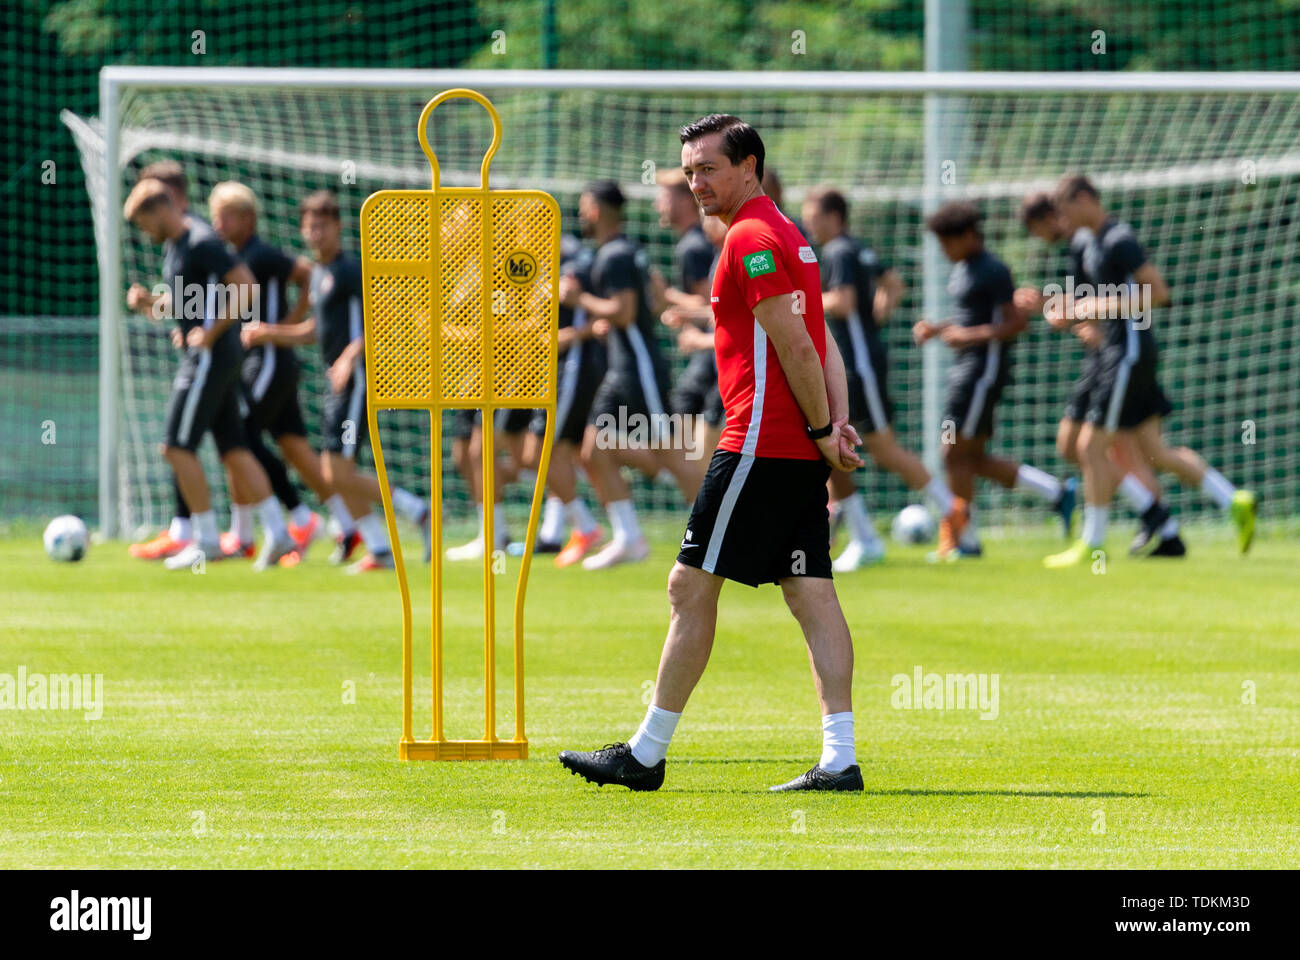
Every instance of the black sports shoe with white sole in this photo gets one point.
(1148, 537)
(850, 778)
(614, 764)
(1170, 547)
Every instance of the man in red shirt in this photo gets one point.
(760, 516)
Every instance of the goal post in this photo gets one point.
(1205, 165)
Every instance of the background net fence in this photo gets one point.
(1208, 181)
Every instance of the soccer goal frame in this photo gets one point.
(940, 137)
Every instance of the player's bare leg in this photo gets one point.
(864, 547)
(1099, 483)
(299, 454)
(627, 544)
(959, 457)
(816, 607)
(253, 482)
(473, 550)
(639, 763)
(342, 475)
(562, 484)
(1192, 471)
(238, 540)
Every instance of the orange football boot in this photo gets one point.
(578, 546)
(159, 548)
(231, 548)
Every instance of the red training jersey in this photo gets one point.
(764, 255)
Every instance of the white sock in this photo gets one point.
(1094, 525)
(552, 521)
(341, 514)
(1043, 484)
(408, 504)
(580, 517)
(622, 516)
(939, 495)
(241, 522)
(1137, 495)
(970, 537)
(837, 742)
(481, 528)
(855, 512)
(650, 742)
(180, 529)
(300, 515)
(373, 533)
(205, 528)
(1215, 486)
(272, 518)
(1170, 529)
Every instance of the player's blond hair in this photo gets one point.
(231, 193)
(144, 196)
(674, 178)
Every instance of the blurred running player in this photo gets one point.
(1126, 396)
(693, 322)
(179, 532)
(270, 373)
(685, 305)
(1136, 481)
(980, 334)
(336, 321)
(205, 391)
(857, 298)
(581, 369)
(636, 381)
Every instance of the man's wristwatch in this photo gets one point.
(818, 434)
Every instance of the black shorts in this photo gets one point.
(512, 421)
(463, 423)
(344, 425)
(273, 404)
(973, 392)
(760, 520)
(691, 392)
(869, 408)
(1076, 407)
(620, 396)
(206, 396)
(578, 383)
(517, 420)
(1126, 392)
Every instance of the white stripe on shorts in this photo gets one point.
(862, 364)
(1131, 350)
(746, 453)
(192, 398)
(981, 391)
(645, 371)
(354, 412)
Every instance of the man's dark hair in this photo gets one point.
(830, 200)
(322, 202)
(1037, 206)
(739, 139)
(955, 218)
(169, 172)
(1073, 184)
(607, 194)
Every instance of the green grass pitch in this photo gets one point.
(1123, 736)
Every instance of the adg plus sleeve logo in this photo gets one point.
(757, 264)
(521, 267)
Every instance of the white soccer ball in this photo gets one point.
(914, 525)
(66, 539)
